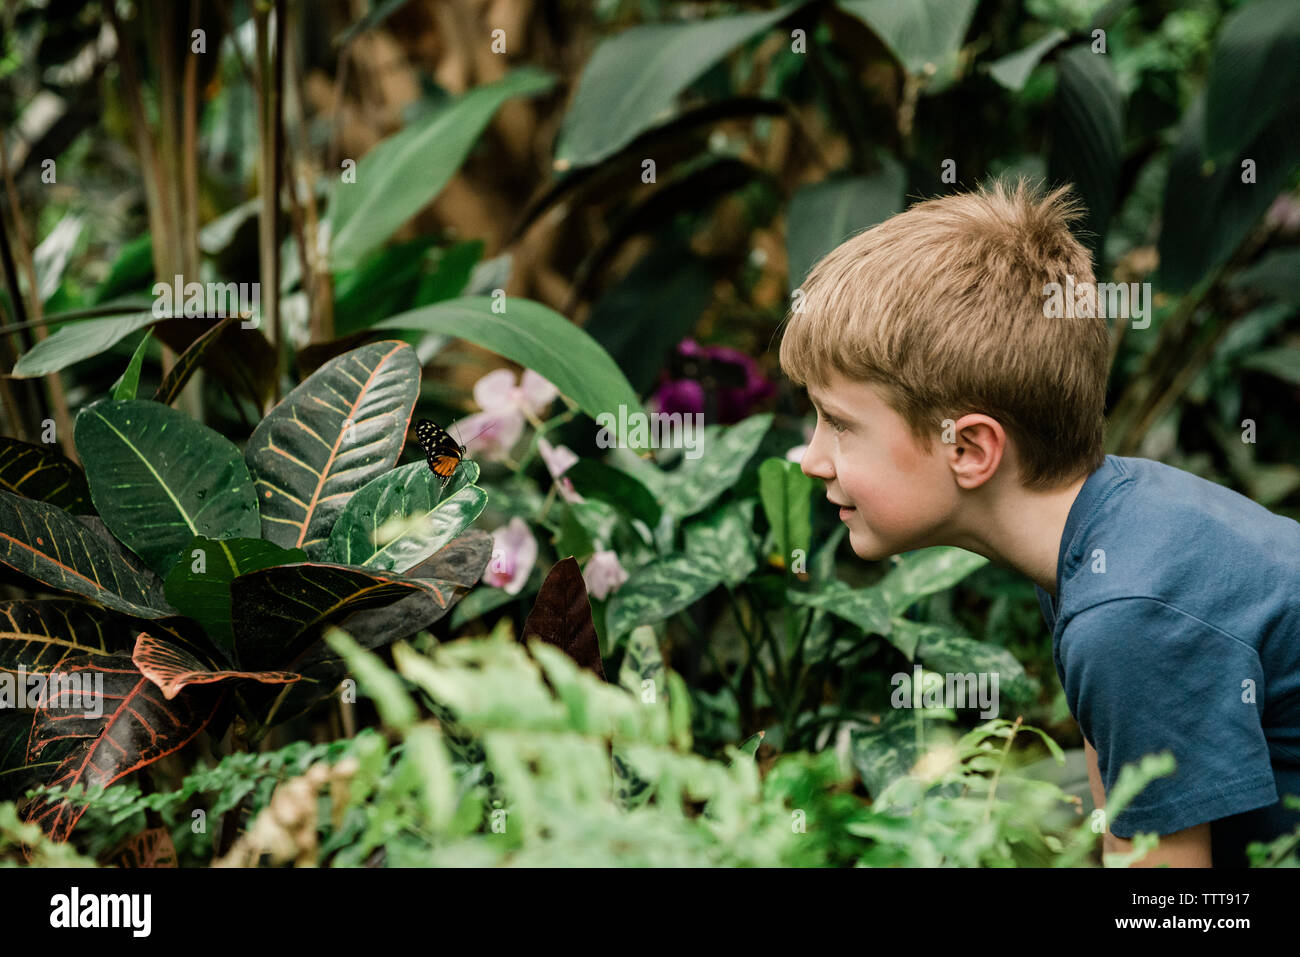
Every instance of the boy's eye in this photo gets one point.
(833, 423)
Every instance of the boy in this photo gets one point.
(954, 409)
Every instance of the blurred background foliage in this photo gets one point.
(663, 175)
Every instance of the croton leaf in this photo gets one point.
(278, 613)
(41, 472)
(199, 584)
(158, 478)
(37, 634)
(561, 616)
(136, 725)
(402, 517)
(49, 545)
(172, 669)
(342, 427)
(17, 775)
(189, 361)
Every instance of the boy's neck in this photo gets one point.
(1020, 529)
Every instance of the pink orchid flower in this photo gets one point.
(514, 552)
(558, 460)
(603, 574)
(506, 403)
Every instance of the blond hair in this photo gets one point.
(942, 308)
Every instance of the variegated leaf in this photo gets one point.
(342, 427)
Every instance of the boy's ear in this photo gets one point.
(980, 442)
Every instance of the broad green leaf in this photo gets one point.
(278, 613)
(697, 482)
(947, 651)
(924, 572)
(864, 607)
(78, 340)
(342, 427)
(158, 478)
(823, 215)
(1208, 210)
(199, 584)
(920, 33)
(724, 539)
(537, 338)
(189, 361)
(786, 494)
(888, 751)
(632, 80)
(659, 590)
(1013, 69)
(402, 173)
(1254, 75)
(41, 472)
(129, 383)
(593, 479)
(1087, 137)
(401, 518)
(49, 545)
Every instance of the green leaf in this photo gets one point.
(158, 478)
(402, 173)
(864, 607)
(945, 650)
(79, 340)
(632, 80)
(401, 518)
(888, 751)
(1013, 69)
(49, 545)
(823, 215)
(278, 613)
(204, 594)
(1087, 137)
(785, 492)
(1254, 75)
(724, 539)
(537, 338)
(593, 479)
(42, 472)
(658, 590)
(188, 363)
(919, 33)
(344, 426)
(126, 386)
(381, 685)
(924, 572)
(1208, 211)
(1283, 362)
(696, 483)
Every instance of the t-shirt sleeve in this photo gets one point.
(1142, 677)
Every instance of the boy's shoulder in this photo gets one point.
(1142, 532)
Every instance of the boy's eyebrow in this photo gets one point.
(828, 408)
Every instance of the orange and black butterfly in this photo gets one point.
(443, 452)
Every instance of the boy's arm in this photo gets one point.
(1186, 848)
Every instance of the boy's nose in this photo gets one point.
(815, 462)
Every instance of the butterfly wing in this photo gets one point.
(442, 452)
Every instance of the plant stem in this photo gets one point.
(993, 789)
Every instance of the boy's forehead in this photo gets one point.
(839, 395)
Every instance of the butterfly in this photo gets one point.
(443, 452)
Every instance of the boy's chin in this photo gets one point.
(869, 548)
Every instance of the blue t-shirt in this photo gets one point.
(1177, 626)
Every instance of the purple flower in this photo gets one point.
(558, 460)
(734, 402)
(506, 401)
